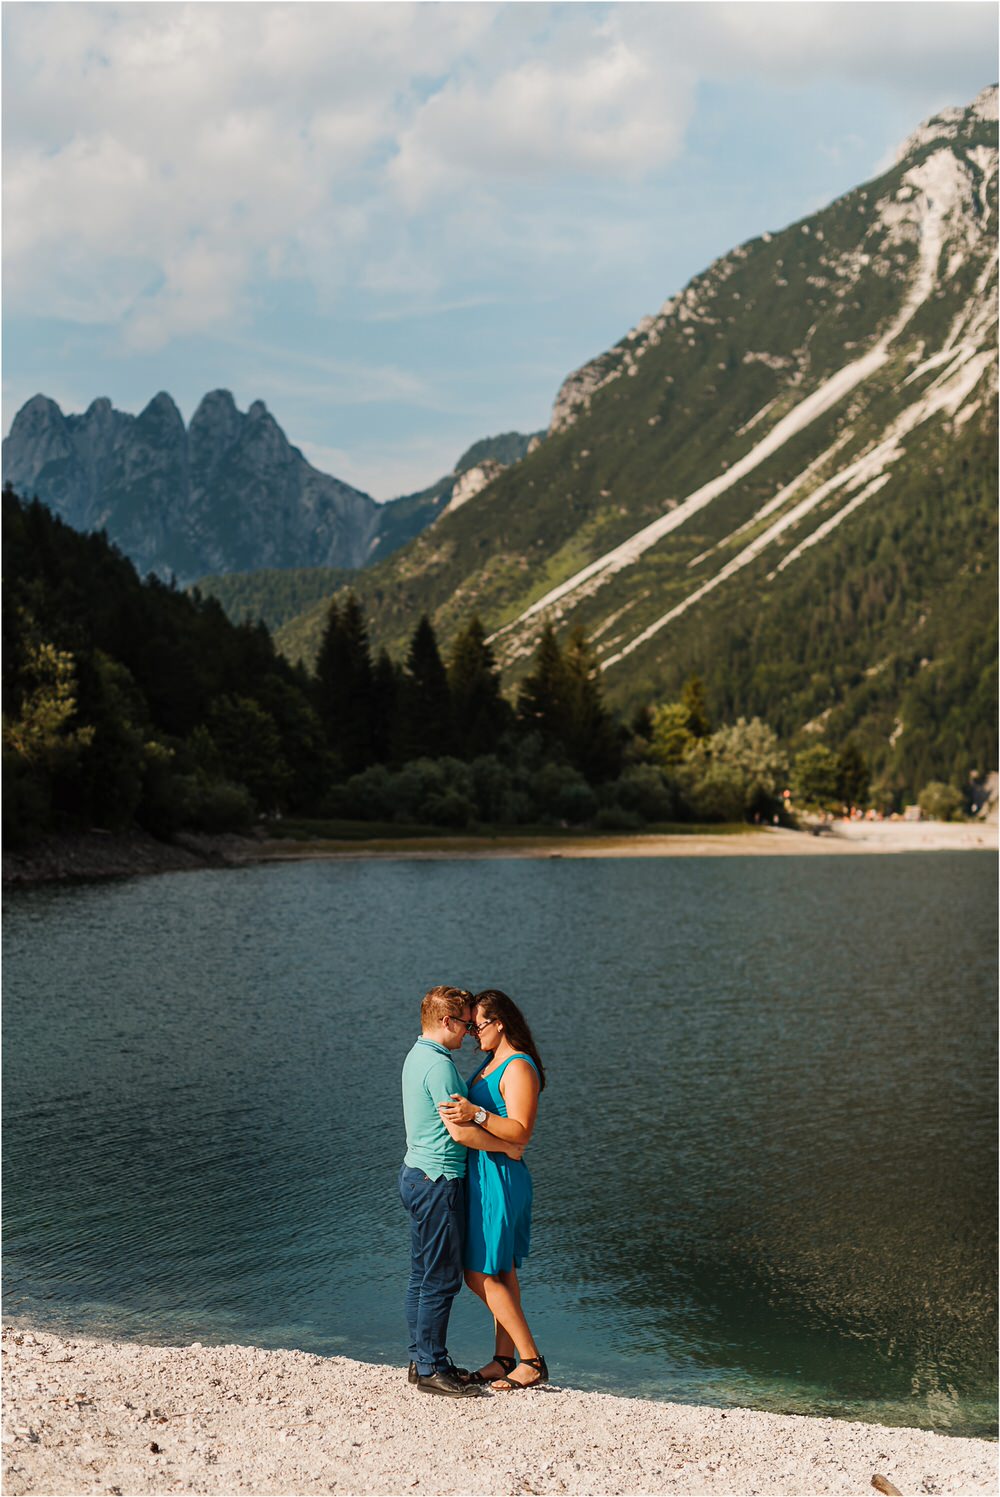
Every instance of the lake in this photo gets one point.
(765, 1163)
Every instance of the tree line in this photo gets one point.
(129, 702)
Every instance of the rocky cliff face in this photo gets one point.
(228, 493)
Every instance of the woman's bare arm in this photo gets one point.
(478, 1138)
(519, 1089)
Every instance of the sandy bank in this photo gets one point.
(842, 838)
(96, 855)
(92, 1416)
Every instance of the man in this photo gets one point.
(432, 1188)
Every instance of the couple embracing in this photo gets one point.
(467, 1188)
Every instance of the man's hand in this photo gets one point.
(514, 1151)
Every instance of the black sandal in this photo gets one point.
(508, 1385)
(507, 1363)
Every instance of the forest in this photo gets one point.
(129, 702)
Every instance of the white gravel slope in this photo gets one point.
(108, 1417)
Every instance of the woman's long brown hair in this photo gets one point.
(497, 1005)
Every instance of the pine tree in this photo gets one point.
(699, 724)
(385, 706)
(344, 685)
(479, 712)
(591, 741)
(542, 700)
(424, 718)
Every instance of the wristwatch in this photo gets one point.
(480, 1116)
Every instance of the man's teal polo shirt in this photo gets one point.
(430, 1077)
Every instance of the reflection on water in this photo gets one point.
(765, 1162)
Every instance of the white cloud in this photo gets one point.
(165, 164)
(612, 112)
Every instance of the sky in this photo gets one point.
(402, 225)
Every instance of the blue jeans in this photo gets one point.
(437, 1239)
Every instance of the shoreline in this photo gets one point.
(100, 855)
(83, 1415)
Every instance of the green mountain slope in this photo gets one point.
(274, 596)
(785, 479)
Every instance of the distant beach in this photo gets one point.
(106, 1417)
(837, 838)
(123, 855)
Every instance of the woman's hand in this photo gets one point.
(458, 1110)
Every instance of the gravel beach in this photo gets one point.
(119, 1418)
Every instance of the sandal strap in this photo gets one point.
(536, 1362)
(507, 1363)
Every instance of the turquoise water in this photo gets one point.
(764, 1166)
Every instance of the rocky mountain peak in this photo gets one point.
(227, 493)
(35, 412)
(951, 123)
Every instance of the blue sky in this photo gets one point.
(401, 225)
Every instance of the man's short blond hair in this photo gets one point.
(443, 1003)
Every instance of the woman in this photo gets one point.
(503, 1099)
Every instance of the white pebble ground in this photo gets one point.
(118, 1418)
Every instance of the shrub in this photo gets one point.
(368, 796)
(717, 793)
(643, 791)
(561, 792)
(214, 805)
(752, 754)
(616, 818)
(492, 784)
(940, 802)
(516, 808)
(816, 778)
(449, 809)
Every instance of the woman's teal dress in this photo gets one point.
(498, 1226)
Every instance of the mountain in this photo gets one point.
(227, 493)
(784, 480)
(406, 517)
(277, 595)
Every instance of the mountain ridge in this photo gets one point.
(229, 493)
(809, 386)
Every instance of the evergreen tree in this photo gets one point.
(249, 745)
(542, 698)
(814, 778)
(561, 699)
(344, 685)
(693, 701)
(423, 722)
(303, 741)
(591, 740)
(852, 775)
(479, 712)
(385, 706)
(671, 737)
